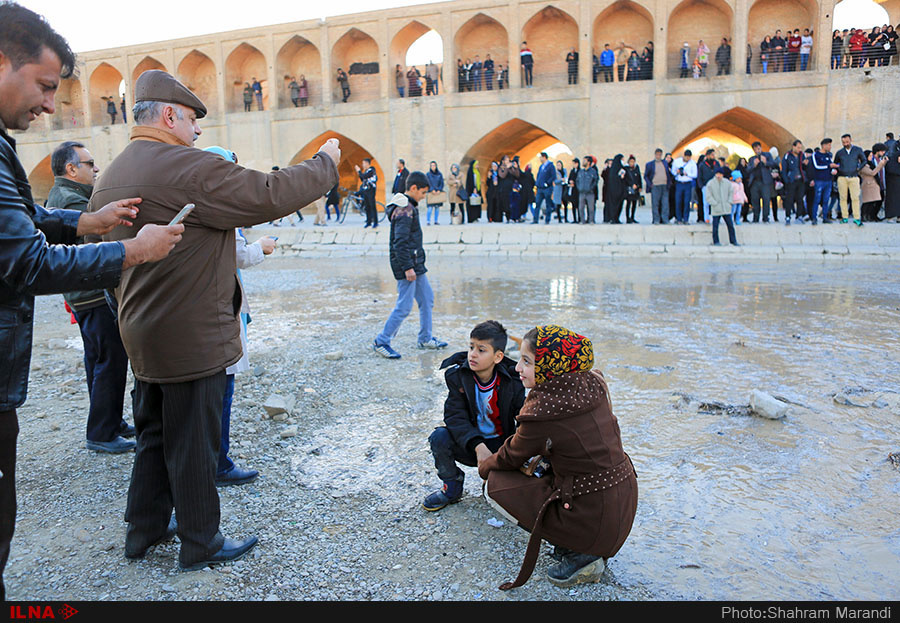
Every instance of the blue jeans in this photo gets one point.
(544, 195)
(715, 227)
(437, 208)
(407, 291)
(683, 201)
(400, 91)
(226, 464)
(337, 211)
(736, 213)
(804, 59)
(823, 194)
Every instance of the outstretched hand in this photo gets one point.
(332, 148)
(108, 217)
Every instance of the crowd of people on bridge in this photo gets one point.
(854, 47)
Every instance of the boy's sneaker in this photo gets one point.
(843, 220)
(450, 493)
(433, 344)
(385, 351)
(858, 223)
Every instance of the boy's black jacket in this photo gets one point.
(460, 414)
(406, 250)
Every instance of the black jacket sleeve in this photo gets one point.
(401, 243)
(456, 413)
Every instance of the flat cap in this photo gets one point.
(158, 86)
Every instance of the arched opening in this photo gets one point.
(69, 105)
(41, 180)
(516, 138)
(480, 37)
(105, 87)
(866, 16)
(146, 64)
(416, 46)
(352, 154)
(551, 34)
(693, 21)
(198, 73)
(734, 131)
(767, 17)
(244, 66)
(356, 53)
(299, 60)
(627, 25)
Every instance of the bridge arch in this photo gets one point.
(69, 103)
(551, 33)
(353, 52)
(737, 128)
(623, 21)
(352, 154)
(515, 137)
(105, 82)
(695, 20)
(41, 180)
(479, 36)
(400, 45)
(243, 64)
(198, 73)
(299, 57)
(146, 64)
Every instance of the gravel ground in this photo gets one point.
(337, 506)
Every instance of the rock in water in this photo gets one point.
(764, 405)
(843, 399)
(276, 404)
(335, 356)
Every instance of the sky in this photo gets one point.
(95, 24)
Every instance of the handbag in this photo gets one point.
(462, 194)
(475, 199)
(435, 197)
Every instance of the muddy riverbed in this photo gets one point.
(731, 506)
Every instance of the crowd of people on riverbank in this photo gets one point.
(806, 184)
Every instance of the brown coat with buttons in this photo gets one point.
(868, 177)
(569, 420)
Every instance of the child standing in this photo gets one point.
(483, 400)
(408, 265)
(739, 197)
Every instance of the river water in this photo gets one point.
(731, 506)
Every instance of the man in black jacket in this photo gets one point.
(368, 178)
(105, 361)
(706, 170)
(408, 265)
(400, 178)
(33, 58)
(484, 397)
(762, 184)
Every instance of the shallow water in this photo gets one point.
(731, 507)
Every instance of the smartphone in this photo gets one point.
(182, 214)
(274, 237)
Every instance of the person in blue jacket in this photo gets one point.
(544, 183)
(435, 197)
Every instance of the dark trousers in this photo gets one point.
(178, 435)
(621, 69)
(793, 199)
(9, 431)
(528, 74)
(728, 223)
(760, 196)
(683, 201)
(106, 368)
(369, 201)
(246, 106)
(447, 453)
(607, 73)
(225, 464)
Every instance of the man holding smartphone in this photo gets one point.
(36, 256)
(180, 320)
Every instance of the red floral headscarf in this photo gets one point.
(559, 351)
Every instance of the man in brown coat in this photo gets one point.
(179, 321)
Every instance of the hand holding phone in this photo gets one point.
(182, 214)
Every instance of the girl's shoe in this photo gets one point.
(575, 569)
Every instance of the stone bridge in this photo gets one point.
(630, 116)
